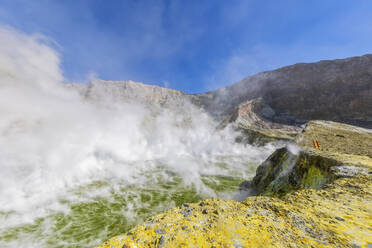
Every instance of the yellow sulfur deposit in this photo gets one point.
(338, 216)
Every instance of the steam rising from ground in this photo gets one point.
(52, 140)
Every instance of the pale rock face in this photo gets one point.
(255, 115)
(129, 91)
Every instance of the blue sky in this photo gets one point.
(190, 45)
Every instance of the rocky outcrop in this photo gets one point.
(284, 172)
(324, 200)
(252, 119)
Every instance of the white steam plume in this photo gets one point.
(52, 140)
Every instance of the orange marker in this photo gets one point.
(316, 144)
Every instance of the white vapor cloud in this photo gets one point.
(26, 59)
(52, 139)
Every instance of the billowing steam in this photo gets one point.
(52, 140)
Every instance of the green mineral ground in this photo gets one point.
(90, 220)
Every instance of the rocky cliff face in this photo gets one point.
(129, 91)
(253, 119)
(338, 90)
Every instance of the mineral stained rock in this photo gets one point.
(284, 171)
(323, 198)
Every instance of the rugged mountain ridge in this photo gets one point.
(129, 91)
(336, 90)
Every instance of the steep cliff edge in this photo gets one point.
(324, 200)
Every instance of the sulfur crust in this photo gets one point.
(339, 216)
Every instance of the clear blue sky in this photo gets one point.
(189, 45)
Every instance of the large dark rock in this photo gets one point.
(284, 171)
